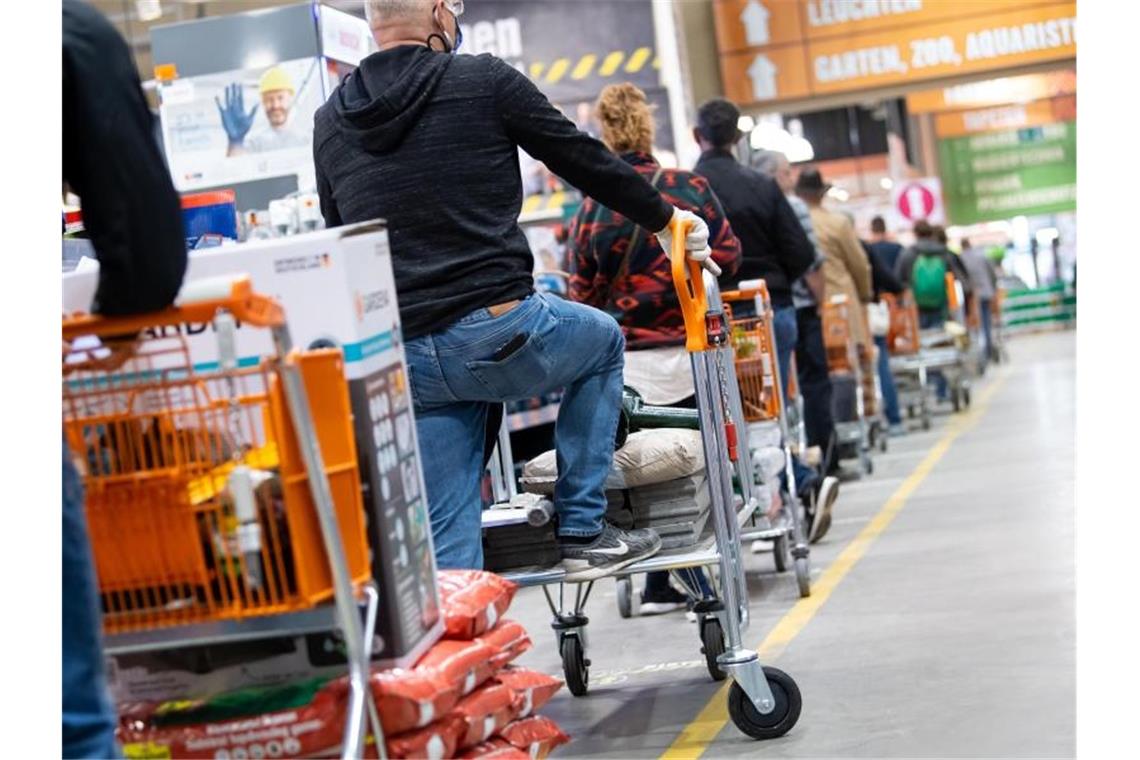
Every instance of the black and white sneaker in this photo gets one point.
(611, 551)
(824, 501)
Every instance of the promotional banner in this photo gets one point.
(236, 126)
(1034, 114)
(1019, 172)
(774, 50)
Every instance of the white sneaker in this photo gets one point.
(824, 501)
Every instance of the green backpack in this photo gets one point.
(928, 280)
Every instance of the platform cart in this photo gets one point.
(949, 352)
(192, 542)
(853, 434)
(753, 340)
(763, 702)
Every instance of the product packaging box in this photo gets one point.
(337, 289)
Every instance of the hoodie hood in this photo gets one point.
(928, 246)
(379, 102)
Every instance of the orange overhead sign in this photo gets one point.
(994, 92)
(852, 45)
(1005, 117)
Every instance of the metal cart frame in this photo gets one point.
(198, 303)
(763, 702)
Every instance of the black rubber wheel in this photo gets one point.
(966, 397)
(926, 420)
(575, 666)
(910, 411)
(776, 723)
(868, 464)
(781, 552)
(803, 577)
(712, 646)
(956, 399)
(625, 597)
(883, 442)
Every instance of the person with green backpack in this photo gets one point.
(922, 269)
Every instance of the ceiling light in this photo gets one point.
(886, 183)
(745, 123)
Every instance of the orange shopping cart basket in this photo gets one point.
(198, 494)
(838, 342)
(755, 354)
(903, 334)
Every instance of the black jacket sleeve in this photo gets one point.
(112, 162)
(542, 131)
(324, 194)
(882, 278)
(797, 253)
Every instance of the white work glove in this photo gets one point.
(696, 242)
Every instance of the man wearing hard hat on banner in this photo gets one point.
(277, 93)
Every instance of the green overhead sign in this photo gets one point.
(1020, 172)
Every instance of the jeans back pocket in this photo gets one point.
(520, 375)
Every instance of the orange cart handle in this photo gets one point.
(748, 290)
(198, 302)
(690, 290)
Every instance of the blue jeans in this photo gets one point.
(787, 335)
(887, 381)
(454, 378)
(928, 320)
(88, 718)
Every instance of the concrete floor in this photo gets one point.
(953, 636)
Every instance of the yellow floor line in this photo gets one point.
(696, 737)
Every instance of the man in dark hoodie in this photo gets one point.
(429, 142)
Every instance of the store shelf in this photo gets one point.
(532, 417)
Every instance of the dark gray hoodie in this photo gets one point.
(429, 142)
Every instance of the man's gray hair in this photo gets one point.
(767, 161)
(379, 11)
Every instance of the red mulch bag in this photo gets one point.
(434, 742)
(495, 749)
(410, 699)
(312, 724)
(510, 639)
(472, 601)
(464, 664)
(537, 735)
(484, 712)
(534, 689)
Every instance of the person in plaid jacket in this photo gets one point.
(616, 267)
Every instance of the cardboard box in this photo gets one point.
(337, 289)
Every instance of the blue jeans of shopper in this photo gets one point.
(787, 334)
(887, 381)
(88, 718)
(928, 320)
(454, 378)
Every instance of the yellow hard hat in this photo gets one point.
(275, 79)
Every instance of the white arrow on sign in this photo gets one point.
(755, 20)
(763, 75)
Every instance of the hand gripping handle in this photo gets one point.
(690, 290)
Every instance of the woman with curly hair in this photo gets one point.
(618, 268)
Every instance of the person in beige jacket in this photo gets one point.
(846, 268)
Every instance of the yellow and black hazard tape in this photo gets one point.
(612, 64)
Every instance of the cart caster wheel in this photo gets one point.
(625, 597)
(956, 400)
(776, 723)
(868, 466)
(883, 443)
(712, 646)
(575, 666)
(803, 577)
(781, 552)
(910, 412)
(966, 397)
(926, 422)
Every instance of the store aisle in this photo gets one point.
(952, 635)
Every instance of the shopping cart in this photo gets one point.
(763, 702)
(907, 362)
(223, 501)
(753, 340)
(946, 349)
(851, 403)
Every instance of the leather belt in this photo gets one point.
(500, 309)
